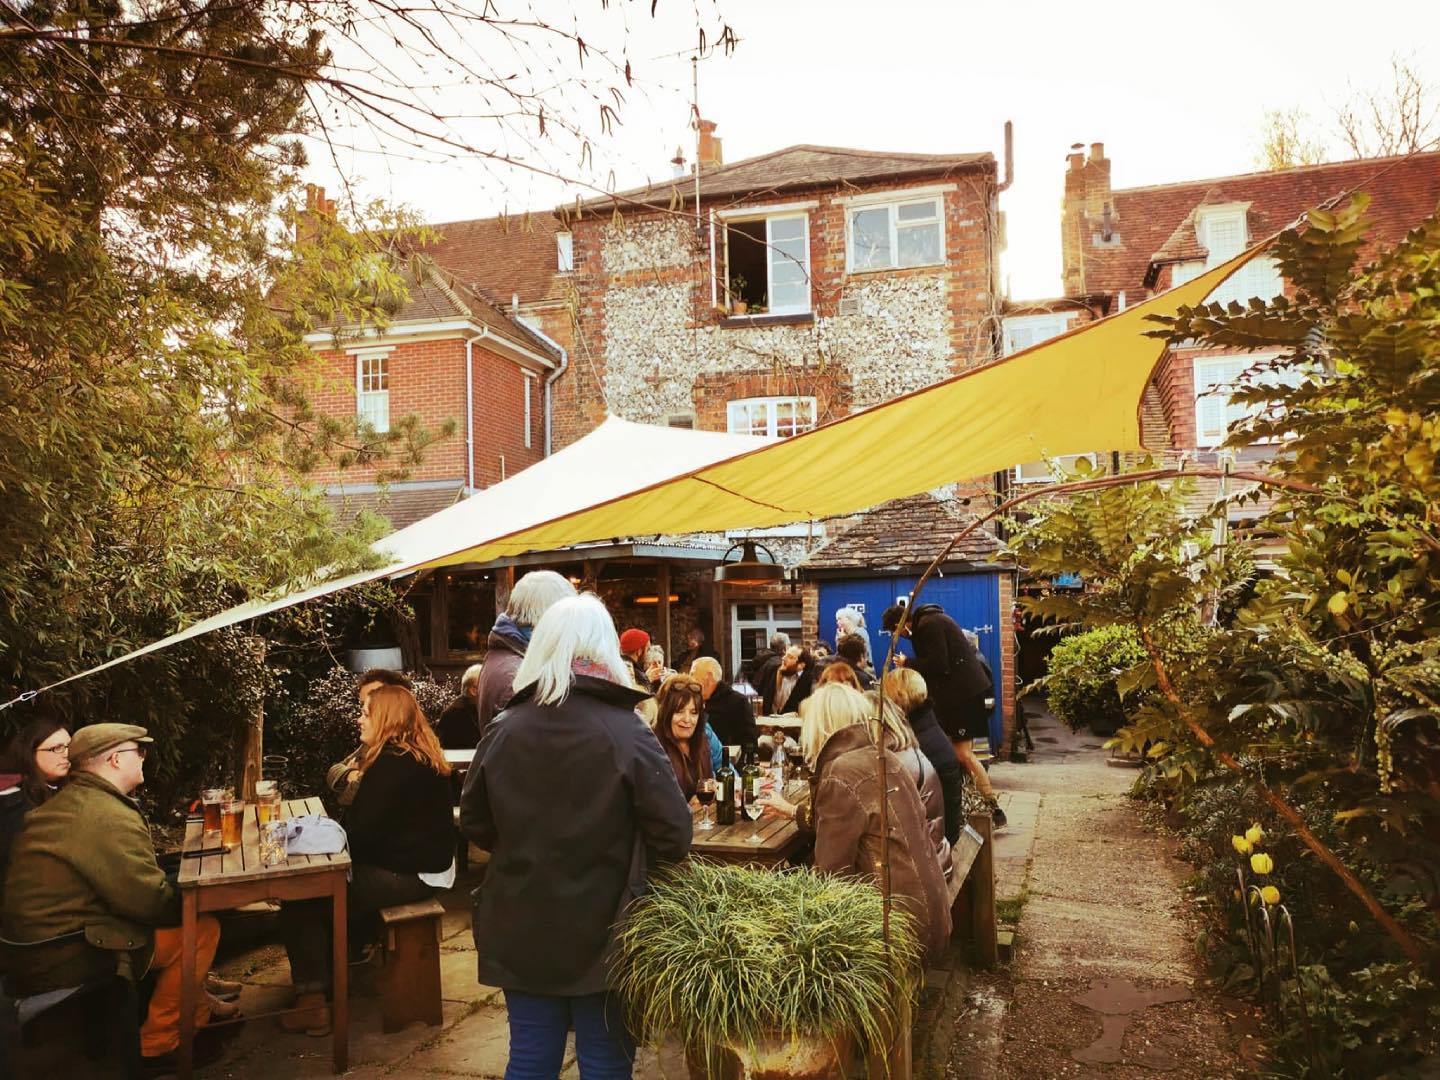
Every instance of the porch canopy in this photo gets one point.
(1073, 394)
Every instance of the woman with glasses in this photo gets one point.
(681, 731)
(37, 762)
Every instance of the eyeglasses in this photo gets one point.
(63, 750)
(681, 682)
(140, 750)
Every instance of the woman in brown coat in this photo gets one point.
(844, 812)
(681, 731)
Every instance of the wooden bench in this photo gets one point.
(410, 981)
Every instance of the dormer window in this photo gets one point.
(1224, 233)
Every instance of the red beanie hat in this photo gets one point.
(634, 640)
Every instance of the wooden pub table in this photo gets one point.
(236, 877)
(780, 840)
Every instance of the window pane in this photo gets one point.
(374, 409)
(787, 228)
(1224, 238)
(749, 612)
(1033, 470)
(471, 610)
(923, 211)
(919, 245)
(788, 612)
(789, 296)
(870, 238)
(1183, 272)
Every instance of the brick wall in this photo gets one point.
(648, 343)
(427, 379)
(1005, 677)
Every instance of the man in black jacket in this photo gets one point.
(958, 683)
(786, 681)
(727, 711)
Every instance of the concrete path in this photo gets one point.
(1104, 981)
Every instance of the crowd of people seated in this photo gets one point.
(562, 704)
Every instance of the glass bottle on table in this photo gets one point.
(727, 790)
(751, 773)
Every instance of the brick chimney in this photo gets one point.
(315, 203)
(710, 157)
(1087, 212)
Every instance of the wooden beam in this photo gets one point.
(981, 886)
(662, 585)
(504, 586)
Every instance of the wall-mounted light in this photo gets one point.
(673, 598)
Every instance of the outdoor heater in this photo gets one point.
(748, 569)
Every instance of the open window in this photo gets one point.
(767, 265)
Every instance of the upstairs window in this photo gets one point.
(564, 252)
(1041, 472)
(891, 236)
(1225, 234)
(1216, 377)
(767, 265)
(372, 389)
(774, 416)
(1023, 331)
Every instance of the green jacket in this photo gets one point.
(85, 861)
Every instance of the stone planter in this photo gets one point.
(779, 1058)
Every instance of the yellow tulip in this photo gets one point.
(1241, 844)
(1261, 863)
(1270, 894)
(1255, 834)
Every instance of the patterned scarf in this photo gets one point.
(583, 665)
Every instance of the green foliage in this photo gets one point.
(1084, 670)
(726, 956)
(155, 432)
(1322, 680)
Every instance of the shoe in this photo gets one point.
(996, 814)
(221, 1009)
(224, 989)
(209, 1045)
(311, 1015)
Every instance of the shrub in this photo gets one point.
(1084, 669)
(319, 728)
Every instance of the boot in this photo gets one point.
(311, 1015)
(996, 814)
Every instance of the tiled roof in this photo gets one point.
(797, 167)
(401, 504)
(903, 533)
(1150, 221)
(502, 256)
(437, 295)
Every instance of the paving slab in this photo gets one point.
(477, 1044)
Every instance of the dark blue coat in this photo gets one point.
(575, 803)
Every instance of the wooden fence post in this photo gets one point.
(981, 886)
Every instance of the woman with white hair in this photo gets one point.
(851, 620)
(505, 647)
(572, 796)
(844, 810)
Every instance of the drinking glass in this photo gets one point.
(275, 767)
(272, 843)
(232, 823)
(705, 792)
(753, 810)
(267, 801)
(211, 800)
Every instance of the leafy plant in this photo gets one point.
(701, 956)
(1081, 685)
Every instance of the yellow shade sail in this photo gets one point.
(1072, 394)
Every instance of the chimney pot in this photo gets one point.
(1097, 151)
(709, 156)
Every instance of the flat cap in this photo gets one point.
(94, 740)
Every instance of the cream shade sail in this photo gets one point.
(1073, 394)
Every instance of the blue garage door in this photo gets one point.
(972, 600)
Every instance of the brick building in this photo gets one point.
(1121, 246)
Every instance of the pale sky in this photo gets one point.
(1174, 93)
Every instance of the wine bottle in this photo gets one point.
(727, 790)
(751, 775)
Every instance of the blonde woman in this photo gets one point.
(844, 810)
(402, 844)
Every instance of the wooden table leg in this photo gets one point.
(189, 915)
(340, 1005)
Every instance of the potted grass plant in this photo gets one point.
(763, 973)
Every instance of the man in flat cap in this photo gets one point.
(85, 861)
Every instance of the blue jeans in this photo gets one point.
(539, 1022)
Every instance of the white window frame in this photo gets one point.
(893, 205)
(564, 252)
(1205, 392)
(735, 407)
(372, 388)
(1052, 468)
(770, 623)
(770, 216)
(529, 408)
(1056, 322)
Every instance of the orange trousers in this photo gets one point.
(161, 1031)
